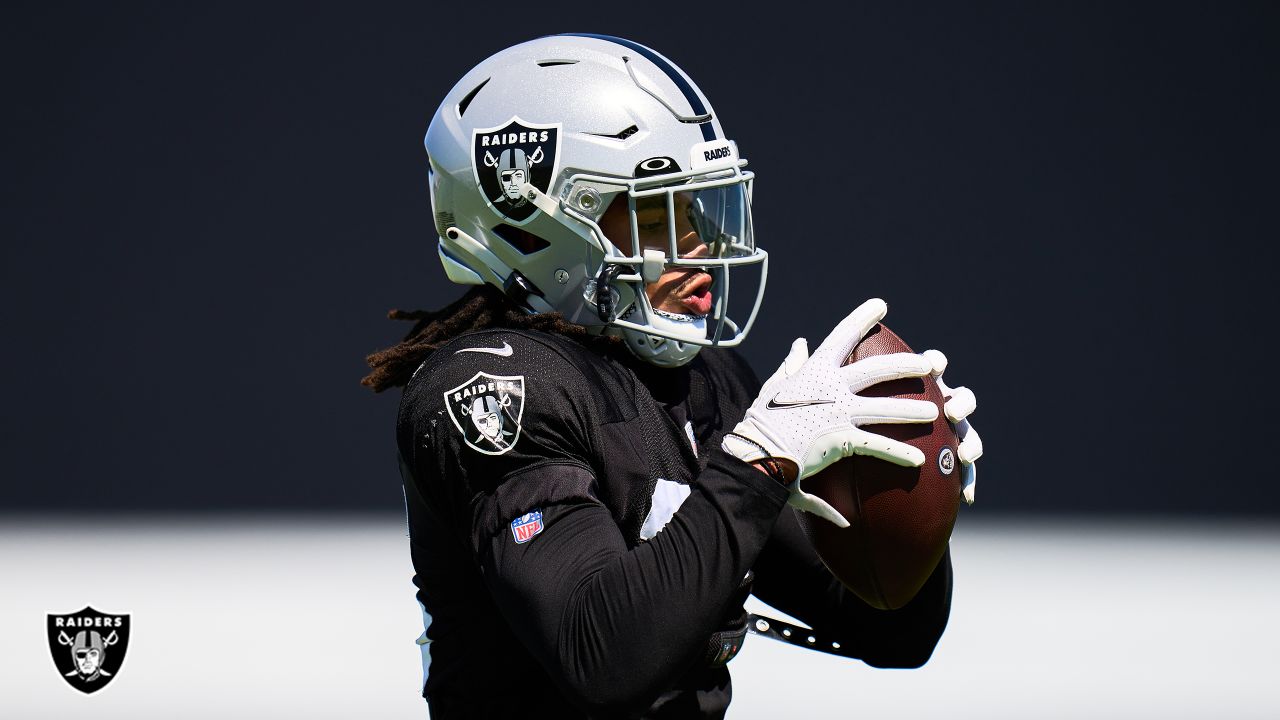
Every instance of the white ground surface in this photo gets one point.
(314, 618)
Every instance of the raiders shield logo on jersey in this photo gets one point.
(505, 158)
(487, 409)
(88, 647)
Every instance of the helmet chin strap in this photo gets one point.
(661, 351)
(682, 317)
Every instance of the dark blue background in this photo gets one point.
(208, 210)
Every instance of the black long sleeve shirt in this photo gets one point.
(578, 536)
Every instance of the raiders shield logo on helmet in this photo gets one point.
(88, 647)
(487, 409)
(505, 158)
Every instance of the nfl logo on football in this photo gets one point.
(526, 526)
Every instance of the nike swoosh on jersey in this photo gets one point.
(504, 351)
(773, 403)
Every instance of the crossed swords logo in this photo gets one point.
(88, 647)
(494, 405)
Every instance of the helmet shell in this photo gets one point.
(556, 107)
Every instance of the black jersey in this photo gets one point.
(581, 543)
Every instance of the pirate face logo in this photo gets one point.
(504, 158)
(487, 409)
(513, 173)
(88, 647)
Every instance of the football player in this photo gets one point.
(594, 479)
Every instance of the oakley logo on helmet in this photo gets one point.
(88, 647)
(506, 157)
(656, 166)
(487, 409)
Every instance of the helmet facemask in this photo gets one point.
(680, 237)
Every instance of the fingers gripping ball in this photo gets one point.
(900, 518)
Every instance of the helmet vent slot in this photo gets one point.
(525, 242)
(554, 63)
(466, 101)
(620, 135)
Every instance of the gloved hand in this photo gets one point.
(809, 413)
(962, 402)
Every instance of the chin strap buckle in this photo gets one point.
(605, 306)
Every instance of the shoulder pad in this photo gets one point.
(499, 391)
(495, 352)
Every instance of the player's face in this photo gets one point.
(678, 290)
(87, 661)
(511, 182)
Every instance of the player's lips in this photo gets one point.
(695, 294)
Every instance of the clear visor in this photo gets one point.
(685, 225)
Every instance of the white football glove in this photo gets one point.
(961, 404)
(809, 413)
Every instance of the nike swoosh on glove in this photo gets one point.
(809, 411)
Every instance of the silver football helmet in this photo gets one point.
(529, 151)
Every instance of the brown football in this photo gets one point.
(900, 517)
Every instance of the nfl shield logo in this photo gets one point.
(506, 157)
(526, 526)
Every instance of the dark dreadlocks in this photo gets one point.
(482, 307)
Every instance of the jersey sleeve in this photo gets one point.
(791, 577)
(613, 625)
